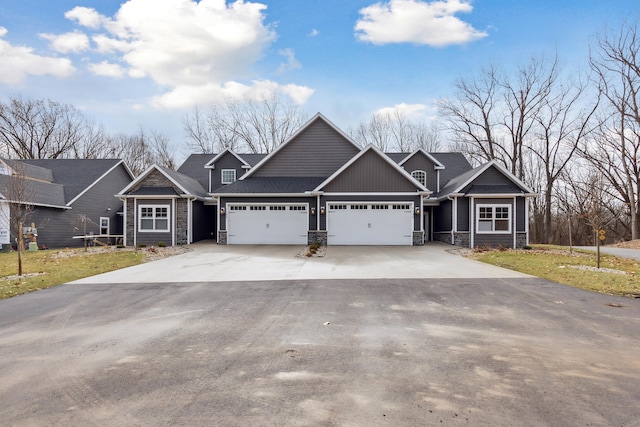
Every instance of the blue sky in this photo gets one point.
(147, 62)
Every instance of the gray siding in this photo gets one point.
(491, 176)
(149, 238)
(318, 151)
(311, 201)
(390, 198)
(463, 214)
(493, 239)
(57, 227)
(228, 161)
(520, 214)
(421, 162)
(370, 173)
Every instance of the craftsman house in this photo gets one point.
(71, 198)
(320, 186)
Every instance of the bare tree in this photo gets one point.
(255, 125)
(397, 131)
(616, 151)
(40, 129)
(19, 196)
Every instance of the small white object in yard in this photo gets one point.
(558, 302)
(325, 323)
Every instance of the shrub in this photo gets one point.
(162, 244)
(119, 246)
(142, 245)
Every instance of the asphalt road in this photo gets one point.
(396, 352)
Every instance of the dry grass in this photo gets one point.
(44, 269)
(631, 244)
(617, 276)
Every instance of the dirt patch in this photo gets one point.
(308, 253)
(150, 253)
(631, 244)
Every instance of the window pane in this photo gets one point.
(161, 212)
(146, 212)
(162, 224)
(485, 225)
(502, 225)
(502, 213)
(486, 213)
(146, 224)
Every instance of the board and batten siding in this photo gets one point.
(317, 152)
(491, 176)
(442, 217)
(421, 162)
(227, 161)
(370, 173)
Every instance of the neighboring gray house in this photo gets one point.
(321, 186)
(70, 196)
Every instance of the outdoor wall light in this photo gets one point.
(313, 211)
(321, 210)
(417, 211)
(221, 211)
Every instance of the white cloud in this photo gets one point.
(185, 96)
(196, 49)
(107, 69)
(85, 16)
(291, 64)
(407, 110)
(314, 33)
(20, 61)
(68, 42)
(415, 21)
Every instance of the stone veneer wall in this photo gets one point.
(222, 237)
(418, 238)
(442, 236)
(130, 223)
(461, 239)
(182, 221)
(521, 240)
(317, 236)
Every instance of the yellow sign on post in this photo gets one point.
(602, 235)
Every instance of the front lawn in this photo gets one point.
(617, 276)
(43, 269)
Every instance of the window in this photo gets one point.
(493, 219)
(104, 225)
(228, 176)
(153, 218)
(420, 176)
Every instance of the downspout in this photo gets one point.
(454, 222)
(515, 214)
(173, 222)
(318, 214)
(189, 221)
(472, 222)
(124, 222)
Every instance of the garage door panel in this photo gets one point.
(370, 224)
(267, 224)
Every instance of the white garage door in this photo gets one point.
(370, 223)
(270, 224)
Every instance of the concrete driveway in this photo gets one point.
(217, 263)
(391, 352)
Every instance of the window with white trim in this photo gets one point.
(104, 225)
(153, 218)
(420, 176)
(228, 176)
(493, 219)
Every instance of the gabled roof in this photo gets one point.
(193, 166)
(455, 164)
(457, 184)
(28, 170)
(36, 192)
(371, 148)
(438, 165)
(76, 175)
(188, 185)
(307, 125)
(212, 162)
